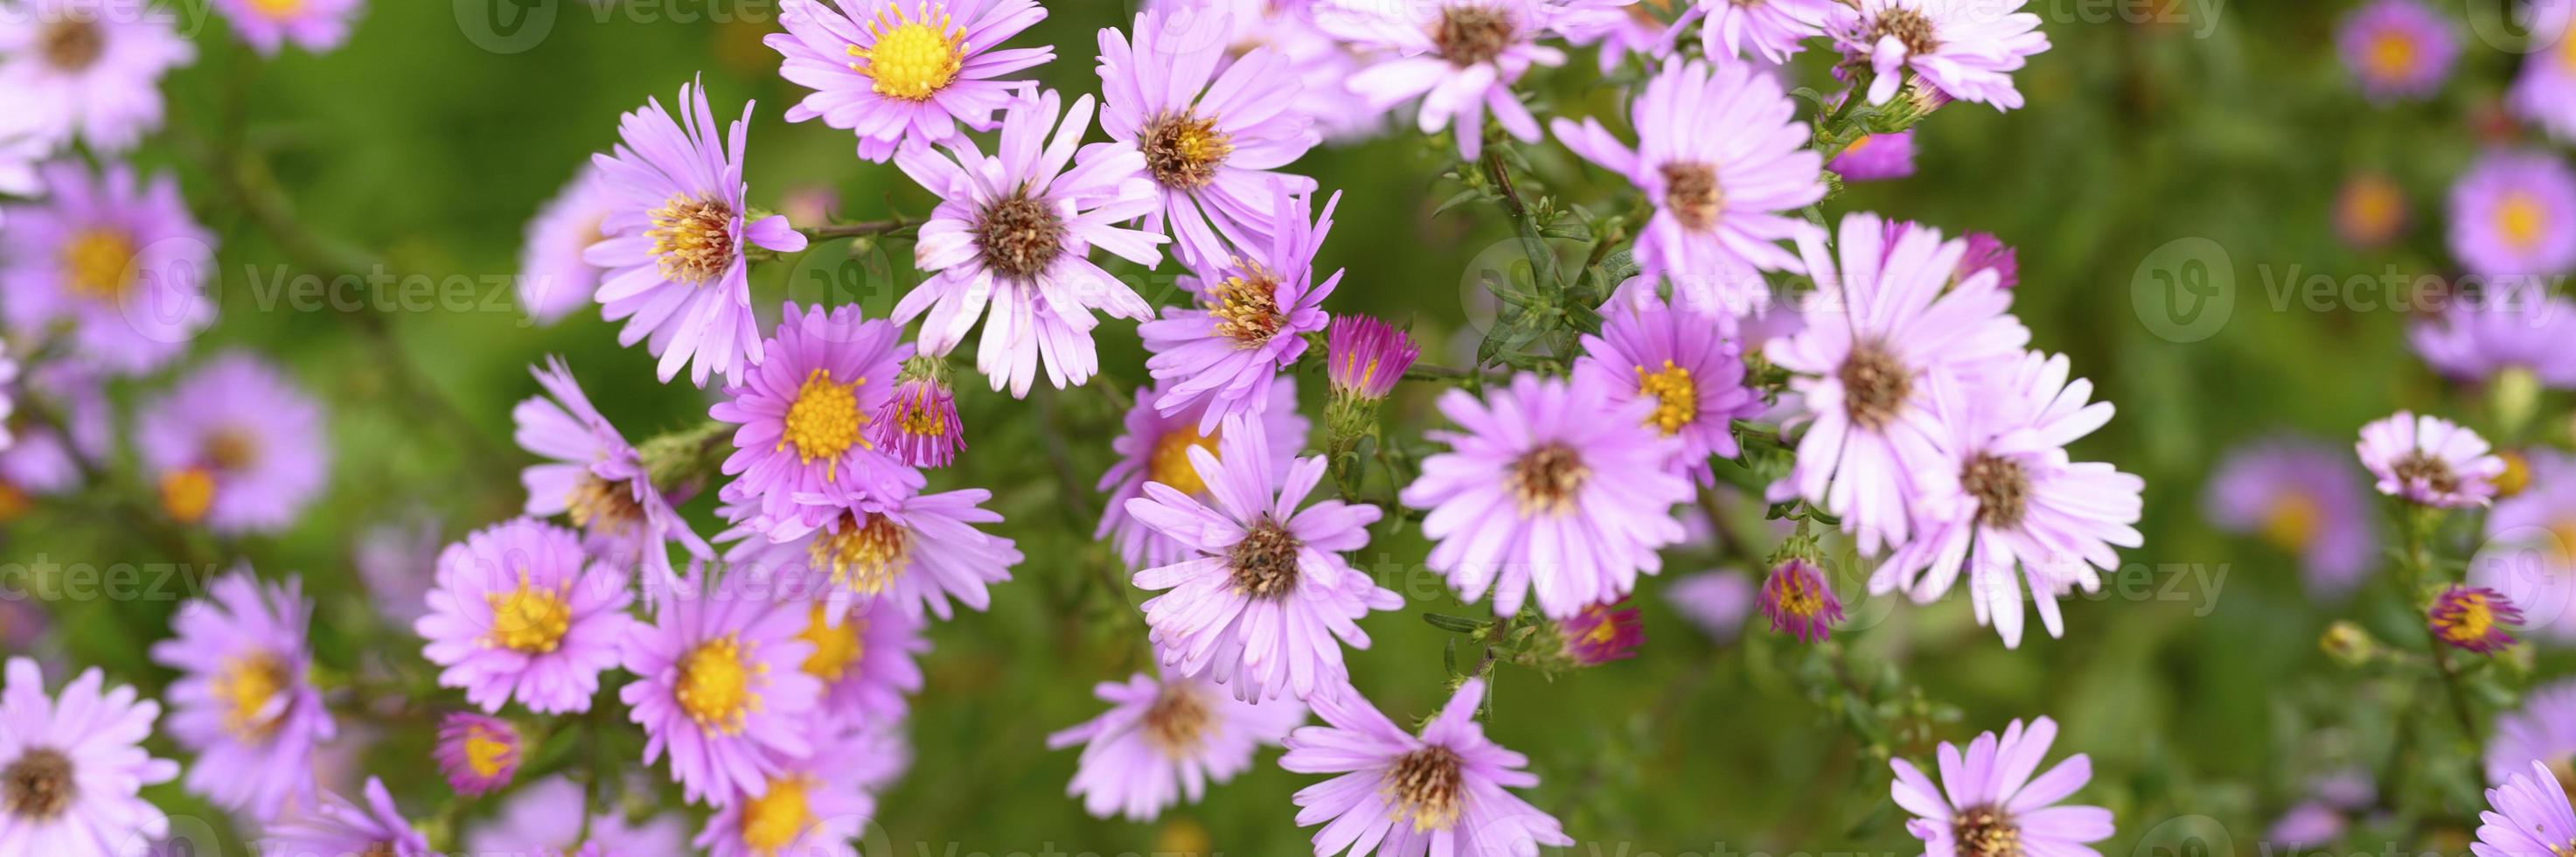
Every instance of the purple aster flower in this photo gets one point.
(1618, 28)
(1601, 633)
(1364, 357)
(1716, 601)
(2429, 460)
(1014, 232)
(594, 478)
(1401, 795)
(340, 827)
(553, 279)
(2542, 731)
(918, 425)
(543, 817)
(2322, 818)
(22, 623)
(2530, 550)
(1685, 367)
(1988, 253)
(314, 25)
(897, 71)
(1460, 57)
(675, 238)
(1770, 28)
(920, 551)
(242, 702)
(720, 683)
(1965, 49)
(2369, 211)
(804, 411)
(1552, 486)
(1263, 592)
(1800, 602)
(2512, 324)
(41, 459)
(1322, 64)
(1162, 742)
(864, 656)
(812, 806)
(1213, 138)
(2398, 49)
(1220, 357)
(235, 445)
(71, 766)
(1155, 448)
(2514, 214)
(1873, 157)
(1988, 802)
(1722, 156)
(2473, 619)
(399, 562)
(478, 754)
(521, 613)
(2305, 498)
(121, 261)
(2530, 817)
(1880, 330)
(2545, 92)
(2003, 497)
(89, 69)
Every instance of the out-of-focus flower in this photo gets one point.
(2514, 215)
(1682, 363)
(1397, 794)
(43, 458)
(1864, 365)
(2323, 817)
(864, 657)
(242, 702)
(88, 69)
(1012, 238)
(1155, 449)
(1548, 486)
(1722, 157)
(592, 477)
(2542, 731)
(1988, 802)
(122, 261)
(720, 687)
(1263, 601)
(2398, 49)
(399, 562)
(918, 425)
(478, 753)
(1873, 157)
(2529, 817)
(1365, 357)
(1716, 601)
(1800, 602)
(2429, 460)
(811, 806)
(2510, 324)
(1601, 633)
(521, 613)
(2304, 497)
(896, 71)
(541, 816)
(2369, 211)
(1966, 49)
(554, 280)
(2475, 619)
(71, 766)
(314, 25)
(235, 445)
(1220, 357)
(2545, 92)
(804, 412)
(1213, 138)
(1743, 28)
(1162, 742)
(1460, 57)
(2530, 549)
(338, 826)
(676, 230)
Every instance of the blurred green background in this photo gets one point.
(2204, 711)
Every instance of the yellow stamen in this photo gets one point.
(1170, 463)
(98, 263)
(187, 493)
(715, 685)
(278, 9)
(246, 686)
(774, 819)
(912, 59)
(863, 555)
(835, 649)
(824, 421)
(2292, 521)
(487, 754)
(2392, 54)
(528, 619)
(1676, 397)
(2520, 219)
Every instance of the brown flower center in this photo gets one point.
(1019, 236)
(1984, 831)
(1692, 195)
(1469, 35)
(601, 506)
(1246, 308)
(2434, 473)
(1545, 479)
(1875, 384)
(1177, 720)
(1908, 26)
(1183, 150)
(71, 45)
(2001, 487)
(1265, 562)
(692, 239)
(1424, 786)
(38, 786)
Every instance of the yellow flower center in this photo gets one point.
(863, 555)
(835, 649)
(2469, 621)
(528, 619)
(1246, 308)
(2374, 206)
(13, 503)
(1799, 596)
(2392, 54)
(2292, 521)
(2516, 475)
(692, 239)
(187, 493)
(824, 421)
(2567, 47)
(919, 418)
(245, 686)
(2519, 217)
(776, 817)
(1604, 627)
(715, 685)
(601, 506)
(1676, 397)
(487, 753)
(2562, 536)
(96, 261)
(912, 59)
(278, 9)
(1170, 464)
